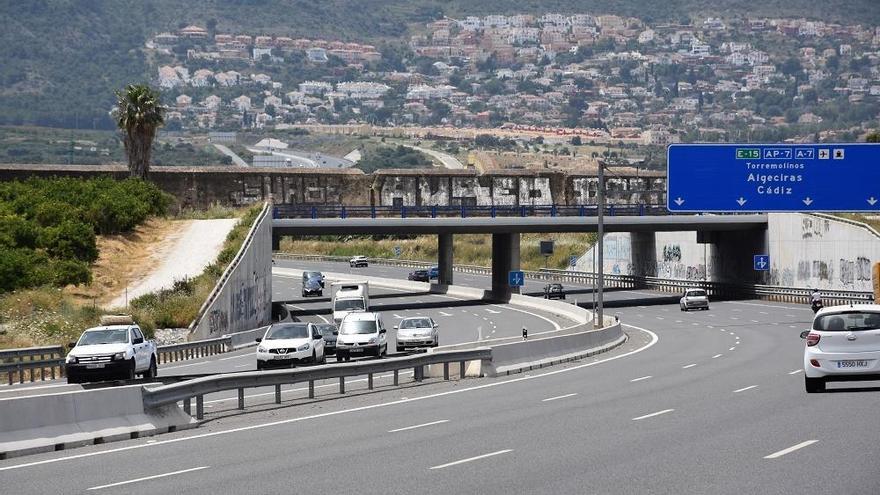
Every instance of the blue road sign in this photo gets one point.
(765, 177)
(397, 251)
(572, 260)
(762, 262)
(516, 279)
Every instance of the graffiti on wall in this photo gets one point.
(672, 253)
(218, 322)
(814, 228)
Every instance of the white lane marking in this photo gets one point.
(658, 413)
(38, 387)
(443, 313)
(243, 365)
(303, 309)
(744, 389)
(654, 339)
(165, 475)
(763, 312)
(185, 365)
(695, 324)
(734, 318)
(754, 321)
(716, 356)
(732, 349)
(790, 449)
(558, 397)
(795, 372)
(493, 312)
(641, 378)
(659, 317)
(397, 316)
(764, 305)
(471, 459)
(250, 355)
(406, 428)
(548, 320)
(688, 366)
(678, 321)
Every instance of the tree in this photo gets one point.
(874, 137)
(139, 114)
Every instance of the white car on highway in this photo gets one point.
(694, 298)
(842, 345)
(417, 331)
(288, 344)
(358, 261)
(361, 334)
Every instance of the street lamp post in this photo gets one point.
(600, 233)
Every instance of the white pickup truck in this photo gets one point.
(115, 350)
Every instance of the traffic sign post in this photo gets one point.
(773, 177)
(572, 261)
(516, 279)
(397, 251)
(762, 262)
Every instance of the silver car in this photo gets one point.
(417, 331)
(694, 299)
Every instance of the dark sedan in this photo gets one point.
(312, 287)
(553, 291)
(419, 276)
(328, 331)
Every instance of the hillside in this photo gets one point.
(63, 58)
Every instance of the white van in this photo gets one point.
(361, 334)
(348, 297)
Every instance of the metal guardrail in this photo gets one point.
(191, 350)
(17, 363)
(199, 387)
(341, 211)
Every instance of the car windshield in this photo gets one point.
(416, 323)
(96, 337)
(312, 282)
(311, 275)
(288, 332)
(696, 293)
(357, 327)
(849, 321)
(349, 305)
(327, 330)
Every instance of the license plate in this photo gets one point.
(356, 349)
(853, 363)
(95, 366)
(283, 356)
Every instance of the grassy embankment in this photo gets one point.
(470, 249)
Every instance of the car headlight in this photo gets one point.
(71, 360)
(119, 356)
(262, 349)
(303, 348)
(373, 340)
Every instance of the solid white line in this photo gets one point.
(745, 388)
(432, 423)
(688, 366)
(763, 305)
(716, 356)
(493, 312)
(790, 449)
(654, 339)
(795, 372)
(641, 378)
(658, 413)
(558, 397)
(732, 349)
(471, 459)
(149, 478)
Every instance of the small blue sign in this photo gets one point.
(397, 251)
(771, 178)
(516, 279)
(762, 262)
(572, 260)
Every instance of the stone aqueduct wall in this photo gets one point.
(200, 187)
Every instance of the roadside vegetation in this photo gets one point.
(470, 249)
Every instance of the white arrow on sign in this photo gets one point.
(741, 201)
(808, 201)
(679, 201)
(872, 201)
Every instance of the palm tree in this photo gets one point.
(139, 114)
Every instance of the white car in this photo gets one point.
(843, 345)
(417, 331)
(111, 352)
(358, 261)
(361, 334)
(694, 298)
(288, 344)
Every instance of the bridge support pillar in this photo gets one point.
(276, 242)
(643, 254)
(444, 259)
(505, 258)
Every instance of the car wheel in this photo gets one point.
(323, 357)
(814, 385)
(314, 357)
(131, 373)
(73, 379)
(259, 366)
(338, 357)
(151, 371)
(320, 293)
(683, 307)
(399, 349)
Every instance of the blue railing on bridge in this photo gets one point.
(436, 211)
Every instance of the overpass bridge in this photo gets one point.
(735, 237)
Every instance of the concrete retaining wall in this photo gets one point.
(44, 423)
(242, 299)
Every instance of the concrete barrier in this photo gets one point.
(44, 423)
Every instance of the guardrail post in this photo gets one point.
(187, 406)
(311, 389)
(434, 211)
(641, 210)
(370, 381)
(372, 212)
(417, 373)
(461, 369)
(278, 394)
(446, 371)
(20, 373)
(342, 214)
(611, 210)
(396, 373)
(200, 407)
(241, 398)
(522, 211)
(492, 211)
(314, 213)
(341, 384)
(403, 212)
(553, 211)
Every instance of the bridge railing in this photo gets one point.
(28, 363)
(199, 387)
(342, 211)
(195, 349)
